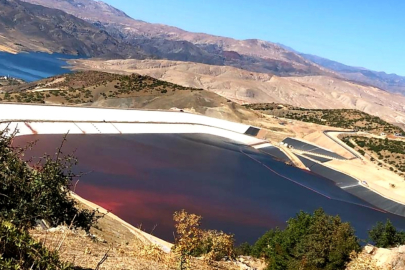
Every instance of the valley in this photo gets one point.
(291, 159)
(108, 90)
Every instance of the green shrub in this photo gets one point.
(386, 235)
(29, 193)
(316, 241)
(244, 249)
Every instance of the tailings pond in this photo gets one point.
(144, 178)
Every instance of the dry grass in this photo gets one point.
(86, 253)
(122, 248)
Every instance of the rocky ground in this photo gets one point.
(372, 258)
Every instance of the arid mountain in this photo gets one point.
(241, 86)
(390, 82)
(25, 26)
(172, 43)
(176, 44)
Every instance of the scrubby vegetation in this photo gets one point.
(89, 86)
(9, 81)
(310, 241)
(32, 193)
(386, 235)
(342, 118)
(316, 241)
(18, 250)
(36, 193)
(388, 153)
(191, 240)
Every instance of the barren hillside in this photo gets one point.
(241, 86)
(251, 54)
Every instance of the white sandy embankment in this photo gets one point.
(143, 236)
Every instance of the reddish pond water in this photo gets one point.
(144, 178)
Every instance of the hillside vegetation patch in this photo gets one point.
(340, 118)
(385, 152)
(88, 87)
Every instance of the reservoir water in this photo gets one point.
(34, 65)
(144, 178)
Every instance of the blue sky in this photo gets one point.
(362, 33)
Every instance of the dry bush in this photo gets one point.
(217, 245)
(153, 252)
(188, 236)
(191, 241)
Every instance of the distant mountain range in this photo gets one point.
(389, 82)
(95, 28)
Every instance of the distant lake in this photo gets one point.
(33, 66)
(144, 178)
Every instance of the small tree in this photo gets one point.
(316, 241)
(41, 191)
(386, 235)
(33, 192)
(188, 236)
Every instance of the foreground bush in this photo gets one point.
(386, 235)
(28, 194)
(215, 245)
(19, 251)
(32, 193)
(191, 240)
(316, 241)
